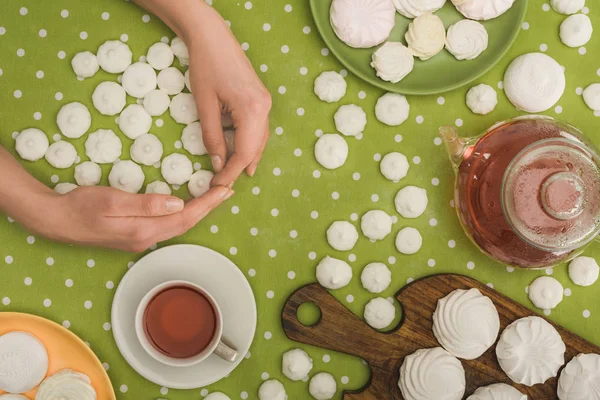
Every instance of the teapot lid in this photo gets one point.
(551, 194)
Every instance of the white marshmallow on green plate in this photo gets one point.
(109, 98)
(333, 273)
(171, 80)
(376, 224)
(127, 176)
(331, 150)
(160, 56)
(88, 173)
(114, 56)
(342, 235)
(156, 102)
(147, 149)
(183, 109)
(85, 64)
(350, 120)
(409, 241)
(411, 201)
(330, 86)
(177, 169)
(139, 79)
(482, 9)
(393, 61)
(103, 146)
(414, 8)
(466, 39)
(199, 182)
(61, 154)
(392, 109)
(191, 137)
(134, 121)
(394, 166)
(74, 120)
(426, 36)
(362, 23)
(31, 144)
(158, 187)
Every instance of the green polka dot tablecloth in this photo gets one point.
(274, 226)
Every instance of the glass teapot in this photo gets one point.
(527, 190)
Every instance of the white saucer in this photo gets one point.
(207, 268)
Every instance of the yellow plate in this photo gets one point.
(65, 350)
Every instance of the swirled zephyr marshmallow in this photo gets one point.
(376, 277)
(160, 56)
(379, 313)
(584, 271)
(158, 187)
(497, 391)
(296, 364)
(183, 109)
(466, 39)
(127, 176)
(103, 146)
(426, 36)
(171, 80)
(545, 292)
(376, 224)
(416, 8)
(362, 23)
(139, 79)
(330, 86)
(24, 362)
(534, 82)
(432, 374)
(74, 120)
(66, 385)
(147, 149)
(411, 201)
(88, 173)
(482, 9)
(191, 137)
(393, 61)
(576, 30)
(392, 109)
(394, 166)
(31, 144)
(591, 96)
(156, 102)
(180, 51)
(482, 99)
(199, 182)
(322, 386)
(567, 7)
(333, 273)
(65, 187)
(331, 151)
(61, 154)
(342, 235)
(85, 64)
(409, 241)
(177, 169)
(134, 121)
(109, 98)
(466, 323)
(114, 56)
(217, 396)
(530, 351)
(272, 390)
(579, 379)
(350, 120)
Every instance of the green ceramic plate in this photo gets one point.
(438, 74)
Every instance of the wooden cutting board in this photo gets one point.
(340, 330)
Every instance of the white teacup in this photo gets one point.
(215, 345)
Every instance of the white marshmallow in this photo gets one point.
(146, 149)
(180, 50)
(411, 201)
(109, 98)
(350, 120)
(414, 8)
(114, 56)
(103, 146)
(272, 390)
(61, 154)
(156, 102)
(579, 379)
(88, 173)
(191, 138)
(160, 56)
(24, 362)
(567, 7)
(139, 79)
(376, 224)
(530, 351)
(393, 61)
(217, 396)
(409, 241)
(186, 80)
(576, 30)
(74, 120)
(296, 364)
(322, 386)
(65, 187)
(394, 166)
(171, 80)
(497, 391)
(591, 96)
(31, 144)
(545, 292)
(379, 313)
(333, 273)
(466, 39)
(177, 169)
(66, 385)
(85, 64)
(482, 99)
(134, 121)
(158, 187)
(426, 36)
(482, 9)
(362, 23)
(330, 86)
(331, 151)
(534, 82)
(376, 277)
(584, 271)
(127, 176)
(183, 109)
(342, 235)
(200, 182)
(392, 109)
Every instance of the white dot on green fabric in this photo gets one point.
(451, 244)
(264, 376)
(87, 304)
(252, 272)
(47, 303)
(69, 283)
(123, 388)
(6, 301)
(50, 261)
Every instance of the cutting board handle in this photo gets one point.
(337, 329)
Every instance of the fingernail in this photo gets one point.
(217, 163)
(251, 170)
(173, 204)
(226, 193)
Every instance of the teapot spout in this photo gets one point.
(455, 145)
